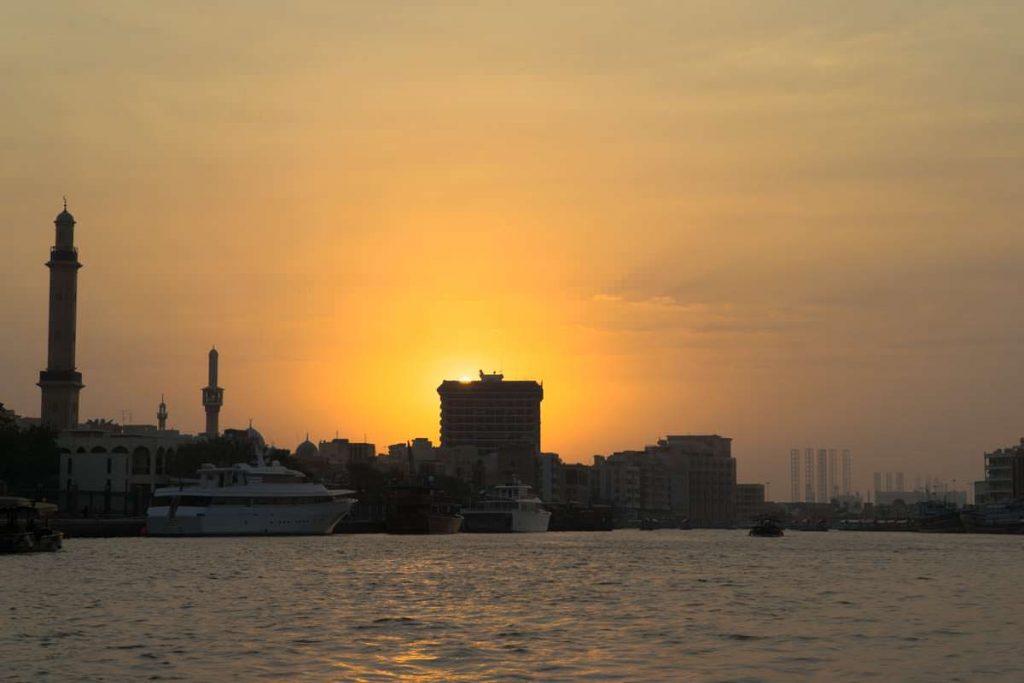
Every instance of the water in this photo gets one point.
(621, 606)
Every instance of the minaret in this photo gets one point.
(60, 381)
(161, 414)
(213, 398)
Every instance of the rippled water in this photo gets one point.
(627, 605)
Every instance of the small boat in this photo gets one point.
(767, 527)
(25, 526)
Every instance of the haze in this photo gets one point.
(797, 224)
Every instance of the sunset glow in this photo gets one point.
(783, 224)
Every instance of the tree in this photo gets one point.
(29, 459)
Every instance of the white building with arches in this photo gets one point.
(105, 472)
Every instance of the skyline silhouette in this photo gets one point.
(795, 228)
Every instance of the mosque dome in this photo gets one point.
(306, 449)
(65, 217)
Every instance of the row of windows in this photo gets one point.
(204, 501)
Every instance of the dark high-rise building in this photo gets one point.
(490, 413)
(60, 381)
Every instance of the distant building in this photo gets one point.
(692, 476)
(1004, 476)
(343, 452)
(794, 474)
(490, 413)
(576, 483)
(750, 503)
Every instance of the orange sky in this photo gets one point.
(795, 224)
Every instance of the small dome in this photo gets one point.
(306, 449)
(65, 217)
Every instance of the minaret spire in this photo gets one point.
(161, 414)
(60, 381)
(213, 396)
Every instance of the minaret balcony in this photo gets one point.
(63, 254)
(66, 376)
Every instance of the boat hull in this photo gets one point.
(31, 542)
(312, 519)
(510, 521)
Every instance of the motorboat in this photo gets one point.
(508, 508)
(245, 500)
(25, 527)
(767, 527)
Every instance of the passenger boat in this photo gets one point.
(508, 508)
(767, 527)
(243, 500)
(25, 527)
(421, 510)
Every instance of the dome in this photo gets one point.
(306, 449)
(65, 217)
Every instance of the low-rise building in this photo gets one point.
(115, 472)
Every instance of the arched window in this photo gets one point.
(140, 460)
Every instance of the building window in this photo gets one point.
(69, 465)
(109, 465)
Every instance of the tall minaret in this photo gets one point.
(161, 414)
(213, 398)
(60, 381)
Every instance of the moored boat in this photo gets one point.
(995, 518)
(25, 528)
(767, 527)
(509, 508)
(246, 500)
(421, 510)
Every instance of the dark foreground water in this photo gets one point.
(627, 606)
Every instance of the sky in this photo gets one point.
(796, 224)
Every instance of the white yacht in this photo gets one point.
(510, 508)
(247, 500)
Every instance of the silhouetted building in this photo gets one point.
(60, 381)
(1004, 476)
(491, 413)
(692, 476)
(750, 503)
(213, 397)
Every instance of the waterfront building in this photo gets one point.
(692, 476)
(61, 382)
(549, 476)
(750, 503)
(1004, 476)
(113, 470)
(576, 483)
(491, 413)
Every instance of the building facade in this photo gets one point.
(490, 413)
